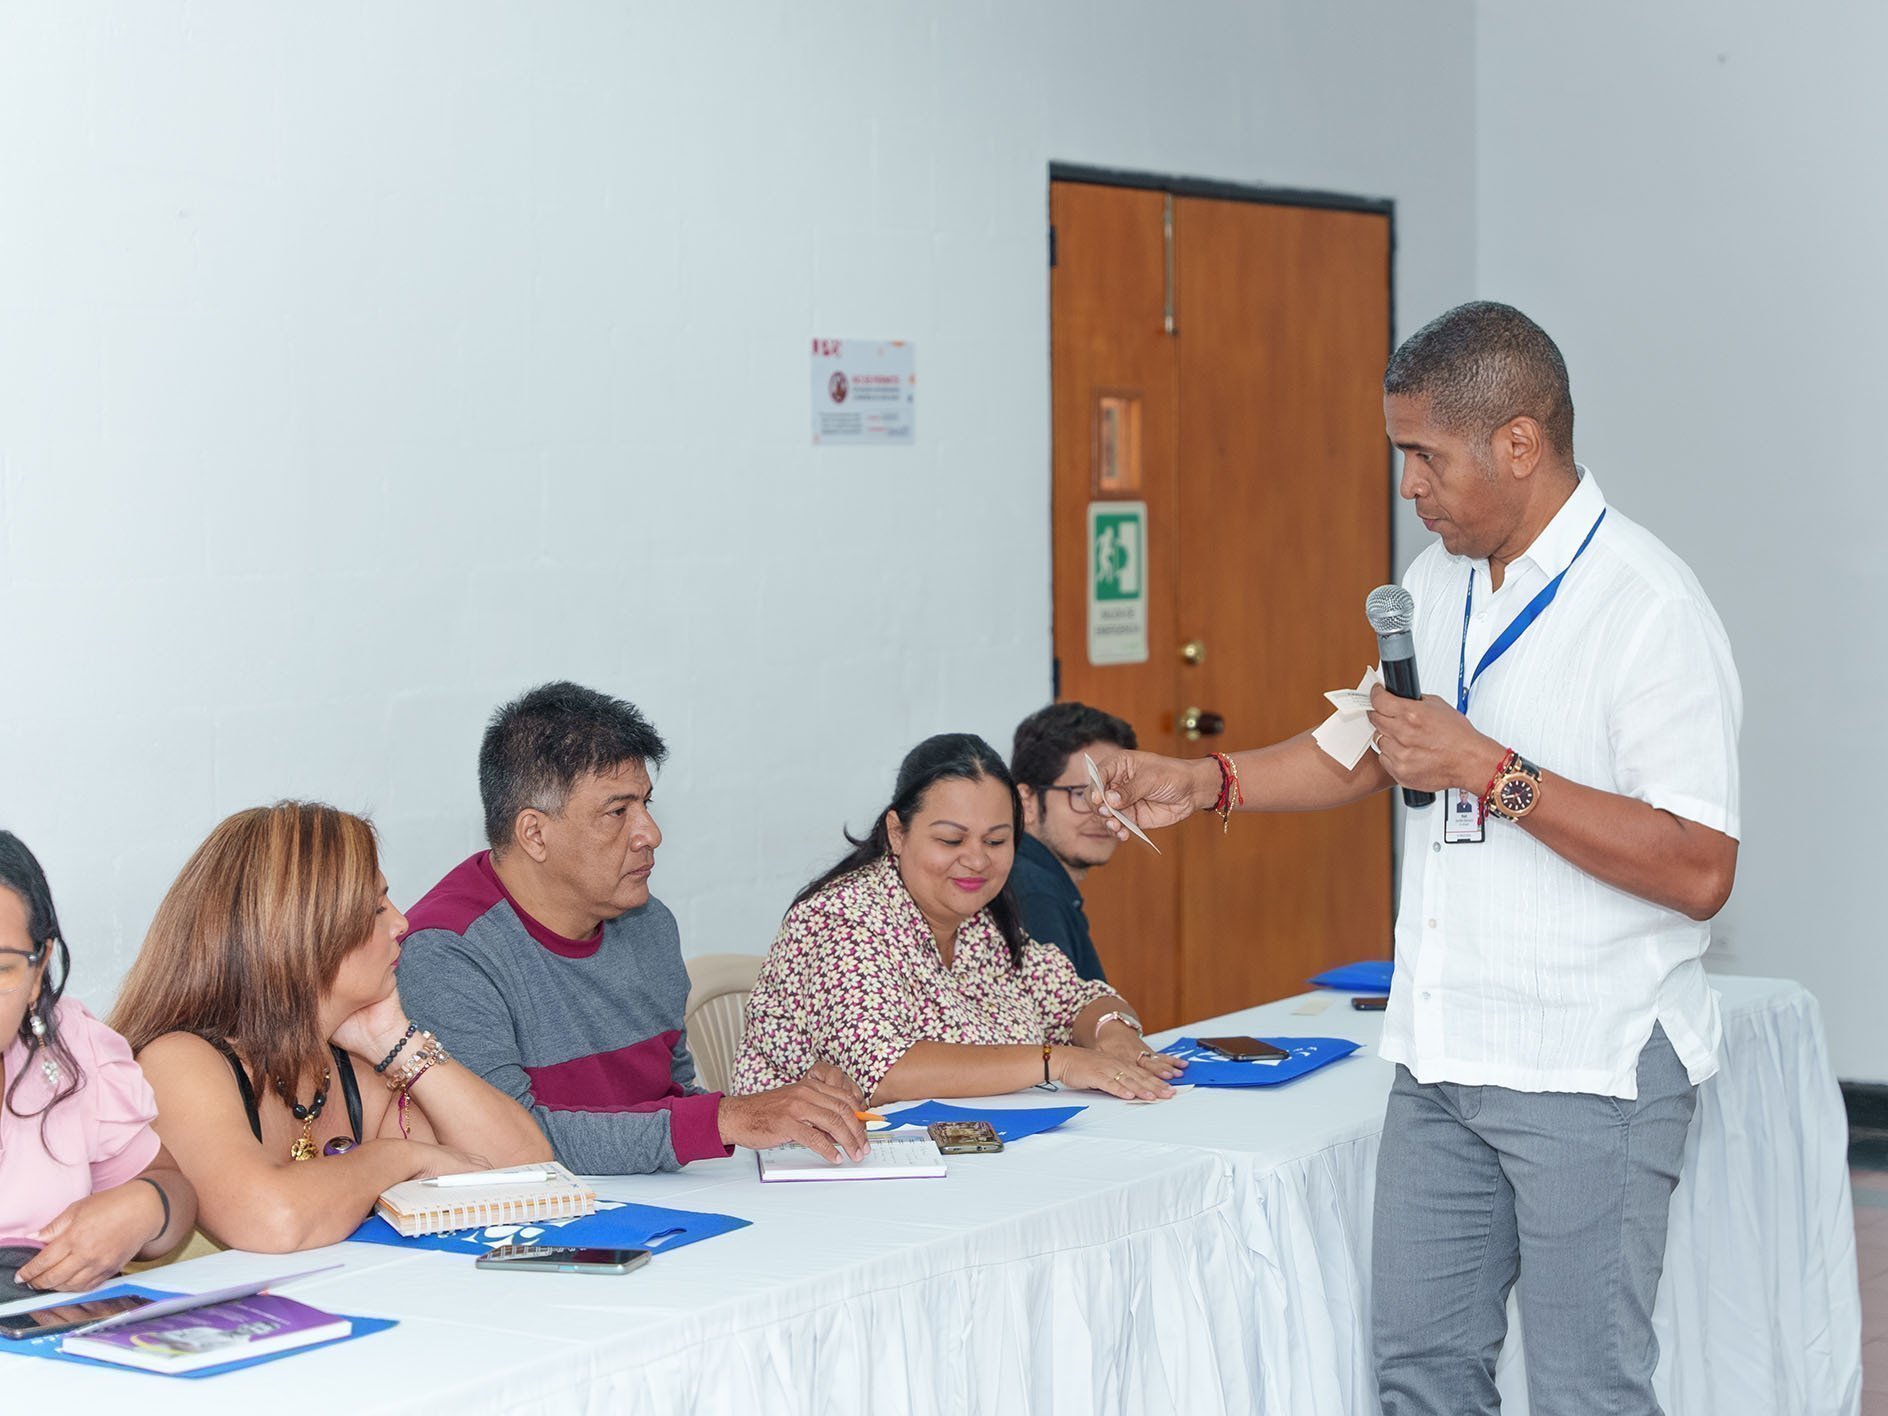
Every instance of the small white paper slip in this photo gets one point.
(1345, 739)
(1355, 700)
(1094, 780)
(1346, 735)
(1312, 1006)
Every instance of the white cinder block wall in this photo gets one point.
(1690, 196)
(361, 365)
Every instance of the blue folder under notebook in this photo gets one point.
(615, 1225)
(1368, 976)
(1208, 1069)
(1010, 1124)
(48, 1346)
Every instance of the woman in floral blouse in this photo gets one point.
(906, 964)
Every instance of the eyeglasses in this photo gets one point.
(16, 967)
(1078, 798)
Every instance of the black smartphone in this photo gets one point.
(548, 1258)
(63, 1317)
(1243, 1049)
(1370, 1005)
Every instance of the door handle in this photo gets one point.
(1197, 723)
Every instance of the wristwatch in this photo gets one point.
(1516, 789)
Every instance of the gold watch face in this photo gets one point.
(1517, 795)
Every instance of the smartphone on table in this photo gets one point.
(64, 1317)
(1370, 1005)
(550, 1258)
(1243, 1049)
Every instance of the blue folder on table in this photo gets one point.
(1368, 976)
(1010, 1124)
(615, 1225)
(1209, 1069)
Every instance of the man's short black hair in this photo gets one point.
(1046, 738)
(1481, 365)
(541, 744)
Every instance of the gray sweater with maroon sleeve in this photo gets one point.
(585, 1034)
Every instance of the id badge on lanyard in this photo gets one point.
(1462, 819)
(1462, 823)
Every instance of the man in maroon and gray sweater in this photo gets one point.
(545, 965)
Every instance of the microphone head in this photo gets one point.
(1390, 609)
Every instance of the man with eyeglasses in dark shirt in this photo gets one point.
(1064, 837)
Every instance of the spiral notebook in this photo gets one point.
(416, 1207)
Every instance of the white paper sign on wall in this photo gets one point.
(865, 391)
(1117, 582)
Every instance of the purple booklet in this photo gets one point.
(237, 1330)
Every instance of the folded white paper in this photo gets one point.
(1346, 735)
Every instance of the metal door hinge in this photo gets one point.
(1166, 230)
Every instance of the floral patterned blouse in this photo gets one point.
(854, 978)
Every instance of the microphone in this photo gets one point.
(1391, 611)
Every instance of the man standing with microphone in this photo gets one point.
(1550, 1016)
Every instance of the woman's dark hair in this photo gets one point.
(946, 757)
(20, 873)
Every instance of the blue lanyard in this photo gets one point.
(1516, 627)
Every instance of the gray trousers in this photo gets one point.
(1476, 1185)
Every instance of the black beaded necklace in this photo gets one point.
(304, 1147)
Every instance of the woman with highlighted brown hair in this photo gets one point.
(291, 1086)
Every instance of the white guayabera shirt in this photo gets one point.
(1515, 968)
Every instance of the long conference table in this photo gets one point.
(1207, 1254)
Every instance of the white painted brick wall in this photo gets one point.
(361, 365)
(1708, 250)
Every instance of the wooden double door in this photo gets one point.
(1217, 368)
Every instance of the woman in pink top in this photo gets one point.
(907, 967)
(85, 1185)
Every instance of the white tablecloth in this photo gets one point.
(1209, 1254)
(1080, 1275)
(1759, 1312)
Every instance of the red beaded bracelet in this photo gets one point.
(1231, 794)
(1507, 760)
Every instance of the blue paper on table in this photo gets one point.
(48, 1346)
(1010, 1125)
(1208, 1069)
(615, 1225)
(1368, 976)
